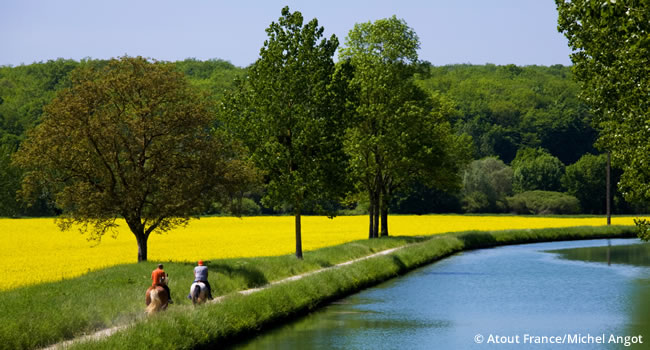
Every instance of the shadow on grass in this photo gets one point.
(473, 240)
(401, 266)
(253, 276)
(323, 263)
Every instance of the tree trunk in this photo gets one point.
(384, 218)
(142, 246)
(375, 228)
(608, 196)
(371, 213)
(140, 236)
(298, 238)
(385, 199)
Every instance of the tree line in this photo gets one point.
(378, 131)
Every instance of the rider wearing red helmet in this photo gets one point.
(201, 275)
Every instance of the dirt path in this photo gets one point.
(109, 331)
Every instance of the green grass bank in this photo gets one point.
(40, 315)
(211, 326)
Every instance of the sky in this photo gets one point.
(521, 32)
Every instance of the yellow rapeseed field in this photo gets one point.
(34, 250)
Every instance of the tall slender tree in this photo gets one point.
(400, 133)
(611, 58)
(611, 61)
(289, 112)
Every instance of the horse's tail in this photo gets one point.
(196, 292)
(156, 303)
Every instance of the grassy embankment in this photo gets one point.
(56, 311)
(38, 315)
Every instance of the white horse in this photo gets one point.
(198, 293)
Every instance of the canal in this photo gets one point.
(559, 295)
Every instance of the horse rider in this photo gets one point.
(201, 275)
(158, 277)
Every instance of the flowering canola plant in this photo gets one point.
(35, 251)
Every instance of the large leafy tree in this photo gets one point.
(611, 43)
(486, 184)
(9, 183)
(400, 134)
(130, 140)
(536, 169)
(289, 110)
(585, 180)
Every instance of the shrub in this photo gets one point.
(544, 202)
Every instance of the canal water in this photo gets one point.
(560, 295)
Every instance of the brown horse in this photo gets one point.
(156, 299)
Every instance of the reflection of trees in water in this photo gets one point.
(637, 299)
(633, 254)
(340, 328)
(638, 304)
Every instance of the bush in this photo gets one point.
(544, 202)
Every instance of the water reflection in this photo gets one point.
(630, 254)
(547, 289)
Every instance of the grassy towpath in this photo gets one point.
(110, 331)
(58, 311)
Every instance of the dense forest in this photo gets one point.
(533, 142)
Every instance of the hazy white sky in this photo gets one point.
(522, 32)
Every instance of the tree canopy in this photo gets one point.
(536, 169)
(392, 102)
(505, 108)
(486, 184)
(289, 112)
(611, 43)
(132, 140)
(399, 132)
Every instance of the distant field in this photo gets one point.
(34, 250)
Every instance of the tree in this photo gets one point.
(536, 169)
(585, 180)
(399, 133)
(129, 140)
(486, 184)
(290, 113)
(611, 58)
(9, 183)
